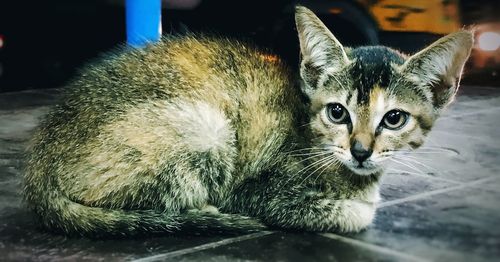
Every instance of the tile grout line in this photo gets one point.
(369, 246)
(190, 250)
(373, 247)
(434, 192)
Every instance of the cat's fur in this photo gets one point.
(199, 134)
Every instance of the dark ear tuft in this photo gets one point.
(320, 50)
(438, 68)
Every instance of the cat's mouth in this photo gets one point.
(364, 168)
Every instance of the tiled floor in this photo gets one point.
(442, 204)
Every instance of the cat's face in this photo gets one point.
(370, 102)
(369, 113)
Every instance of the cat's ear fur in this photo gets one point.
(437, 69)
(320, 51)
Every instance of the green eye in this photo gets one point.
(395, 119)
(337, 114)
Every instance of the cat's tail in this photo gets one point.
(63, 215)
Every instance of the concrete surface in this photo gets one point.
(442, 204)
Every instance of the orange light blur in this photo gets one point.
(269, 58)
(335, 11)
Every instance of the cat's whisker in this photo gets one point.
(333, 164)
(412, 152)
(326, 167)
(416, 161)
(311, 153)
(409, 161)
(312, 165)
(432, 148)
(410, 164)
(405, 164)
(421, 152)
(386, 154)
(307, 124)
(304, 169)
(423, 149)
(306, 150)
(433, 151)
(402, 171)
(323, 164)
(313, 156)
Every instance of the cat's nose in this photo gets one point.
(359, 152)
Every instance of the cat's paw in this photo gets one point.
(354, 215)
(208, 209)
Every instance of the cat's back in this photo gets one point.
(221, 71)
(200, 87)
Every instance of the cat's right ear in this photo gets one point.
(438, 68)
(321, 52)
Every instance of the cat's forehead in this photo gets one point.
(372, 68)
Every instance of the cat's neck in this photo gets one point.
(347, 176)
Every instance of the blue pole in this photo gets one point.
(143, 19)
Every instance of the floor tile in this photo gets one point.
(21, 239)
(457, 149)
(400, 185)
(18, 125)
(290, 247)
(492, 184)
(458, 225)
(465, 105)
(29, 98)
(461, 225)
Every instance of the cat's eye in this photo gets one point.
(395, 119)
(336, 113)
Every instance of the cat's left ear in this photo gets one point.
(437, 69)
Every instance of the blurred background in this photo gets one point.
(43, 42)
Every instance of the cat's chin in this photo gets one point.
(365, 170)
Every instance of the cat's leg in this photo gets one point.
(207, 141)
(169, 156)
(161, 167)
(302, 206)
(349, 215)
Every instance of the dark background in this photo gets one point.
(46, 41)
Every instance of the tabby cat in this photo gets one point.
(207, 135)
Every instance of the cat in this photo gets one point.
(199, 134)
